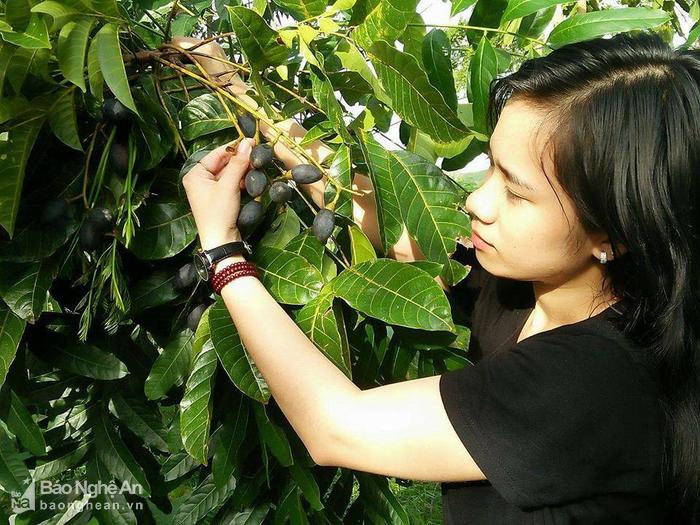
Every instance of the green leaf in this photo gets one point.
(63, 119)
(11, 330)
(141, 418)
(523, 8)
(112, 451)
(309, 488)
(428, 204)
(274, 436)
(23, 286)
(177, 465)
(341, 170)
(84, 359)
(166, 228)
(36, 36)
(324, 94)
(361, 248)
(377, 496)
(303, 9)
(289, 505)
(14, 153)
(109, 509)
(95, 78)
(112, 65)
(486, 13)
(72, 45)
(483, 70)
(395, 293)
(460, 5)
(171, 367)
(233, 356)
(591, 25)
(205, 499)
(22, 425)
(308, 246)
(282, 230)
(415, 99)
(14, 475)
(61, 12)
(153, 290)
(385, 193)
(436, 55)
(203, 115)
(257, 39)
(107, 8)
(17, 13)
(323, 324)
(288, 277)
(196, 404)
(7, 52)
(386, 20)
(230, 440)
(19, 67)
(60, 463)
(353, 60)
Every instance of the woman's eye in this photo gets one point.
(512, 196)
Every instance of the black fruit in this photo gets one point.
(116, 112)
(119, 158)
(323, 225)
(306, 173)
(101, 219)
(250, 214)
(280, 192)
(247, 123)
(255, 182)
(261, 156)
(185, 277)
(90, 237)
(195, 315)
(54, 210)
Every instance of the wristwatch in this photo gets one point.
(205, 260)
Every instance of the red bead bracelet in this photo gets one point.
(231, 272)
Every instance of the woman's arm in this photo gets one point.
(398, 429)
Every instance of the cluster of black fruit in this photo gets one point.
(119, 115)
(98, 222)
(185, 278)
(280, 191)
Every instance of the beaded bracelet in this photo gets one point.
(241, 265)
(229, 273)
(225, 279)
(229, 270)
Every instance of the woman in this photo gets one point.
(583, 405)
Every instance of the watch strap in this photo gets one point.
(230, 248)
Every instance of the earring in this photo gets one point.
(603, 257)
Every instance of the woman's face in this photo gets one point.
(529, 233)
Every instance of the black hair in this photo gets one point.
(626, 150)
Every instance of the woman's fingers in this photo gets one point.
(220, 163)
(216, 159)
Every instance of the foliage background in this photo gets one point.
(101, 376)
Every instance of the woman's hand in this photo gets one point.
(213, 188)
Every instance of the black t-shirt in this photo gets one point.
(565, 425)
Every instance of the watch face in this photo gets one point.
(201, 267)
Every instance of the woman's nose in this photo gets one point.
(480, 205)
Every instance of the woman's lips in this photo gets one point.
(480, 243)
